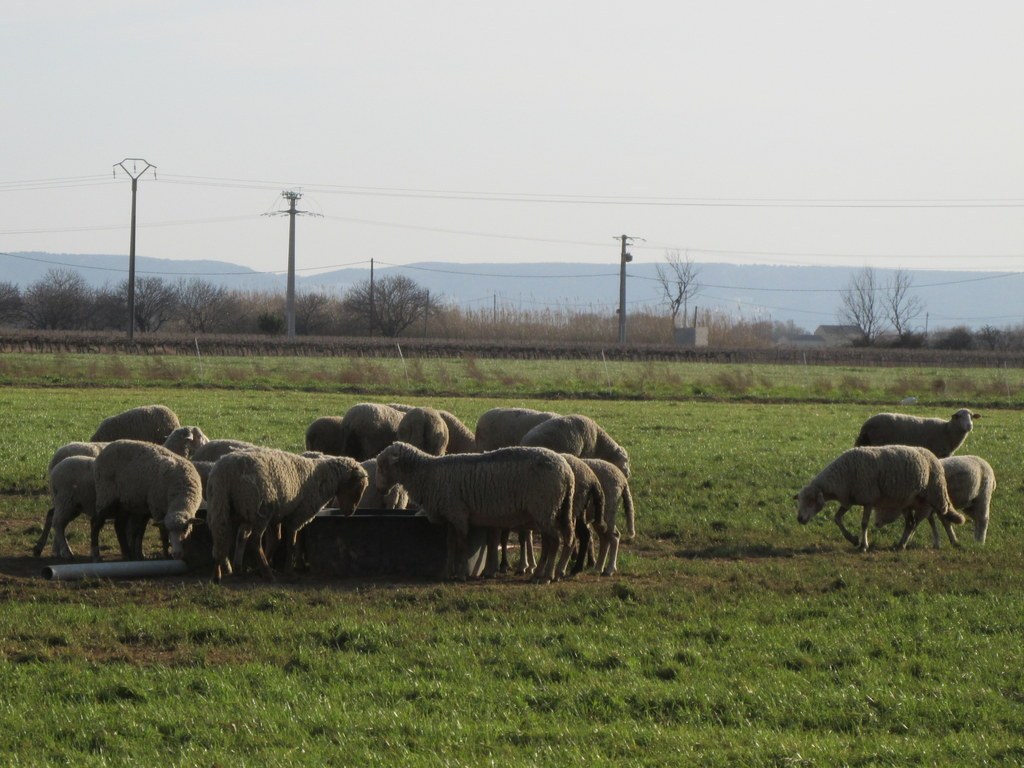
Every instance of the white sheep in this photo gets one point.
(250, 491)
(588, 509)
(73, 491)
(460, 438)
(970, 481)
(579, 435)
(505, 427)
(183, 441)
(141, 480)
(424, 428)
(941, 437)
(363, 432)
(615, 485)
(395, 497)
(506, 488)
(149, 423)
(214, 449)
(890, 478)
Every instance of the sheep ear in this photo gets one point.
(975, 415)
(796, 497)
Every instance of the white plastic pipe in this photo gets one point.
(115, 569)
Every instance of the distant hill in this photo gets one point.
(807, 296)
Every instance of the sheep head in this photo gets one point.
(810, 501)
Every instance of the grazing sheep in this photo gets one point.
(363, 432)
(579, 435)
(970, 481)
(149, 423)
(940, 437)
(138, 479)
(395, 497)
(73, 489)
(425, 429)
(891, 478)
(588, 509)
(506, 488)
(250, 491)
(505, 427)
(214, 449)
(460, 438)
(615, 485)
(185, 441)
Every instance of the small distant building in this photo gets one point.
(839, 335)
(690, 337)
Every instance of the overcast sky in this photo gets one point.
(886, 133)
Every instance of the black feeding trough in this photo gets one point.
(371, 542)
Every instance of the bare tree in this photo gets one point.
(312, 313)
(10, 302)
(863, 306)
(204, 307)
(901, 309)
(398, 302)
(109, 308)
(60, 300)
(679, 282)
(155, 302)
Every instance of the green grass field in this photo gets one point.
(731, 636)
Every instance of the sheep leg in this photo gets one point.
(241, 540)
(949, 533)
(504, 566)
(527, 561)
(565, 548)
(909, 526)
(865, 522)
(613, 554)
(839, 521)
(493, 541)
(606, 540)
(586, 548)
(548, 558)
(61, 548)
(461, 551)
(136, 532)
(37, 550)
(94, 537)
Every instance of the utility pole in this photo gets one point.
(373, 311)
(292, 197)
(134, 174)
(624, 258)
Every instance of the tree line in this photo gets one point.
(396, 306)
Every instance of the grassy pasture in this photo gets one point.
(732, 636)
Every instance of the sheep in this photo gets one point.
(249, 491)
(137, 479)
(506, 488)
(73, 489)
(579, 435)
(183, 441)
(588, 508)
(460, 438)
(424, 428)
(214, 449)
(505, 427)
(891, 478)
(363, 432)
(149, 423)
(395, 497)
(615, 485)
(970, 481)
(940, 437)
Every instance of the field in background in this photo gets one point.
(731, 636)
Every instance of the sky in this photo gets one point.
(885, 133)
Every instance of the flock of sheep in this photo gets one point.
(902, 466)
(521, 470)
(562, 477)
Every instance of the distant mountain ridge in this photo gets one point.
(807, 296)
